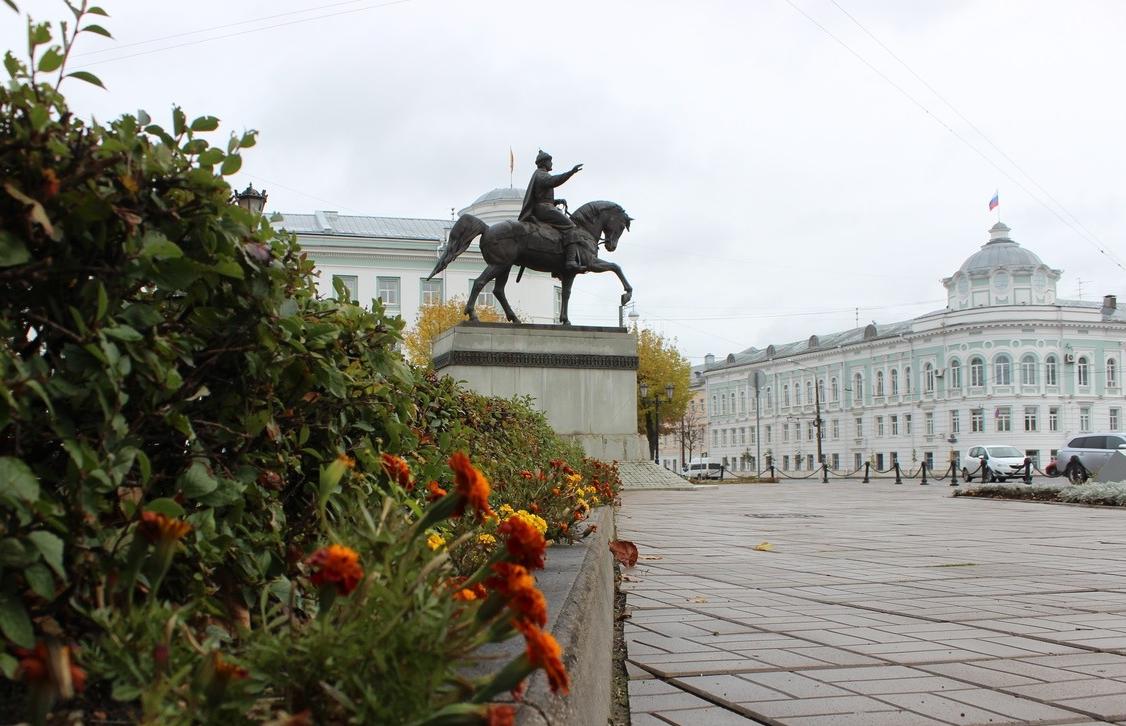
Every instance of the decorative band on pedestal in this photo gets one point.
(535, 360)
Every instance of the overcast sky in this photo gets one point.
(783, 167)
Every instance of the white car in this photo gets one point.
(1000, 463)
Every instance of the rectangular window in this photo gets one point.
(785, 432)
(1033, 454)
(929, 458)
(1053, 419)
(1085, 418)
(809, 461)
(387, 290)
(879, 426)
(1030, 415)
(430, 292)
(723, 437)
(797, 461)
(857, 460)
(835, 427)
(907, 424)
(715, 437)
(859, 427)
(894, 425)
(809, 431)
(754, 436)
(879, 461)
(1004, 417)
(1114, 419)
(485, 298)
(977, 421)
(928, 423)
(786, 462)
(769, 434)
(351, 283)
(955, 423)
(836, 462)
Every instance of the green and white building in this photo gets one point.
(390, 257)
(1006, 362)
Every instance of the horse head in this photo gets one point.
(603, 220)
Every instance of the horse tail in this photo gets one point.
(465, 230)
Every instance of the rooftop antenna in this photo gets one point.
(1080, 283)
(451, 214)
(511, 166)
(857, 317)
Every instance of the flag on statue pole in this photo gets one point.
(511, 161)
(994, 201)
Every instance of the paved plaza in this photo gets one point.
(877, 605)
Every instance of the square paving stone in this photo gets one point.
(1108, 707)
(666, 702)
(732, 689)
(945, 709)
(714, 716)
(818, 706)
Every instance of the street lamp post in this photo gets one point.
(756, 381)
(656, 415)
(251, 199)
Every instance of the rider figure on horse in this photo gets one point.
(540, 204)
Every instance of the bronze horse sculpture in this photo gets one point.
(538, 246)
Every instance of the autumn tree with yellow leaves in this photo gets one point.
(435, 319)
(659, 364)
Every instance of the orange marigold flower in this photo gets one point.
(524, 542)
(336, 565)
(498, 715)
(544, 652)
(474, 592)
(227, 671)
(516, 585)
(534, 508)
(555, 491)
(471, 485)
(398, 469)
(54, 667)
(434, 492)
(159, 529)
(526, 474)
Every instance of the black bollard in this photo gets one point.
(981, 468)
(953, 473)
(1027, 470)
(866, 465)
(772, 470)
(824, 473)
(924, 481)
(898, 478)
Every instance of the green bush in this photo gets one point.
(183, 421)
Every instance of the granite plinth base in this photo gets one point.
(584, 379)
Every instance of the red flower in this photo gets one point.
(53, 667)
(398, 469)
(518, 587)
(524, 542)
(434, 492)
(544, 652)
(472, 486)
(526, 474)
(500, 716)
(159, 529)
(336, 565)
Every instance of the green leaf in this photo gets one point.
(228, 268)
(41, 581)
(39, 116)
(205, 123)
(125, 692)
(231, 165)
(17, 480)
(12, 250)
(95, 10)
(12, 64)
(179, 121)
(91, 28)
(145, 466)
(211, 157)
(14, 622)
(86, 76)
(143, 117)
(51, 547)
(103, 302)
(38, 35)
(329, 479)
(12, 5)
(51, 60)
(167, 507)
(156, 246)
(8, 663)
(197, 481)
(123, 333)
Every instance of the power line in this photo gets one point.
(979, 132)
(955, 134)
(249, 31)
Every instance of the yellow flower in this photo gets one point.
(486, 539)
(533, 519)
(435, 540)
(574, 478)
(506, 511)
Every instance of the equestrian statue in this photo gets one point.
(543, 238)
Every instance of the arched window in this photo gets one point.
(797, 394)
(715, 411)
(907, 379)
(955, 375)
(1111, 373)
(879, 383)
(1050, 377)
(1002, 370)
(786, 394)
(1082, 369)
(1028, 370)
(808, 392)
(835, 389)
(732, 402)
(928, 378)
(742, 401)
(977, 372)
(821, 389)
(894, 381)
(858, 388)
(769, 398)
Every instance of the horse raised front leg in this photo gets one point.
(600, 265)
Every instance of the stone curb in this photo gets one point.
(578, 583)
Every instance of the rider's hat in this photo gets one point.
(542, 157)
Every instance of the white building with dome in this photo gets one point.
(1006, 362)
(390, 257)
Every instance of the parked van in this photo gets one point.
(702, 469)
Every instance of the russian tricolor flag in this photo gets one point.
(994, 202)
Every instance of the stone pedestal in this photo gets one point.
(583, 378)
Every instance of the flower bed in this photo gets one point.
(1107, 494)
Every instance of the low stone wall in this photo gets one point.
(578, 583)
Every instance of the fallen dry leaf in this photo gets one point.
(698, 599)
(764, 547)
(651, 557)
(624, 552)
(627, 578)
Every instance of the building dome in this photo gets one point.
(497, 205)
(1001, 273)
(1000, 251)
